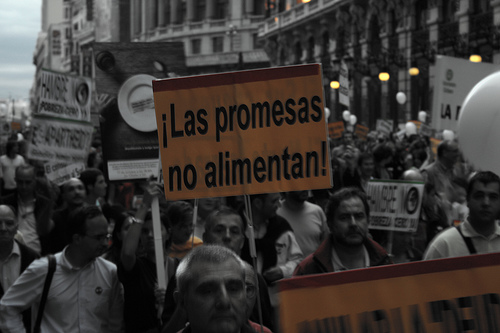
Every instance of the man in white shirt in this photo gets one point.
(480, 233)
(8, 163)
(85, 294)
(14, 256)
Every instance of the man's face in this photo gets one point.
(226, 231)
(350, 224)
(450, 155)
(348, 139)
(100, 186)
(147, 236)
(8, 224)
(270, 205)
(215, 299)
(299, 196)
(182, 231)
(74, 192)
(484, 203)
(367, 167)
(96, 238)
(25, 180)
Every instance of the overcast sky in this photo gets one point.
(19, 26)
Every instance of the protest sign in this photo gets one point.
(64, 96)
(59, 173)
(242, 132)
(384, 126)
(445, 295)
(361, 132)
(454, 78)
(59, 140)
(344, 84)
(394, 205)
(336, 129)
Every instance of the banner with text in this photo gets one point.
(446, 295)
(243, 132)
(394, 205)
(454, 79)
(59, 173)
(59, 140)
(64, 96)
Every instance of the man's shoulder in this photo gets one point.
(108, 265)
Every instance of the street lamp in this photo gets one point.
(383, 76)
(475, 58)
(335, 84)
(231, 32)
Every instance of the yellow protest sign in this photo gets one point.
(243, 132)
(336, 129)
(445, 295)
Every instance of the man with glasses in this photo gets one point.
(85, 294)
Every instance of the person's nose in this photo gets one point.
(222, 301)
(3, 226)
(227, 234)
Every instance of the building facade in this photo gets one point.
(373, 36)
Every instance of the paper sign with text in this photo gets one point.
(336, 129)
(361, 132)
(394, 205)
(59, 140)
(446, 295)
(64, 96)
(59, 173)
(245, 132)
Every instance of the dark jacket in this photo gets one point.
(321, 260)
(27, 257)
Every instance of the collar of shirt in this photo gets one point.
(339, 266)
(16, 251)
(65, 263)
(469, 231)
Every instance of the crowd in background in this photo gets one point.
(288, 227)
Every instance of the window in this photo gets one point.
(200, 10)
(196, 46)
(218, 44)
(221, 9)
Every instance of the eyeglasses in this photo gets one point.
(100, 238)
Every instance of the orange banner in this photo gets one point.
(361, 132)
(446, 295)
(243, 132)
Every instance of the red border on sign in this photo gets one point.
(390, 271)
(223, 79)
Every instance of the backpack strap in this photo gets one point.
(46, 287)
(467, 240)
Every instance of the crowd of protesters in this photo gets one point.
(102, 237)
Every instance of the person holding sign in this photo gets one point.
(138, 272)
(348, 245)
(480, 233)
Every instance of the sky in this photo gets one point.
(20, 24)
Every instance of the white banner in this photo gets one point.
(59, 140)
(454, 79)
(384, 126)
(64, 96)
(59, 173)
(394, 205)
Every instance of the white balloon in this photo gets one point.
(410, 128)
(353, 119)
(448, 135)
(422, 116)
(478, 125)
(327, 113)
(401, 97)
(346, 115)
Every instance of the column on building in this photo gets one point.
(249, 7)
(191, 10)
(161, 12)
(136, 12)
(174, 11)
(210, 9)
(143, 16)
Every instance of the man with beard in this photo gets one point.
(307, 220)
(73, 194)
(348, 245)
(480, 233)
(85, 294)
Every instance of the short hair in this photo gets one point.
(342, 195)
(223, 211)
(177, 211)
(381, 152)
(77, 220)
(444, 145)
(25, 167)
(10, 145)
(484, 177)
(208, 253)
(365, 156)
(89, 176)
